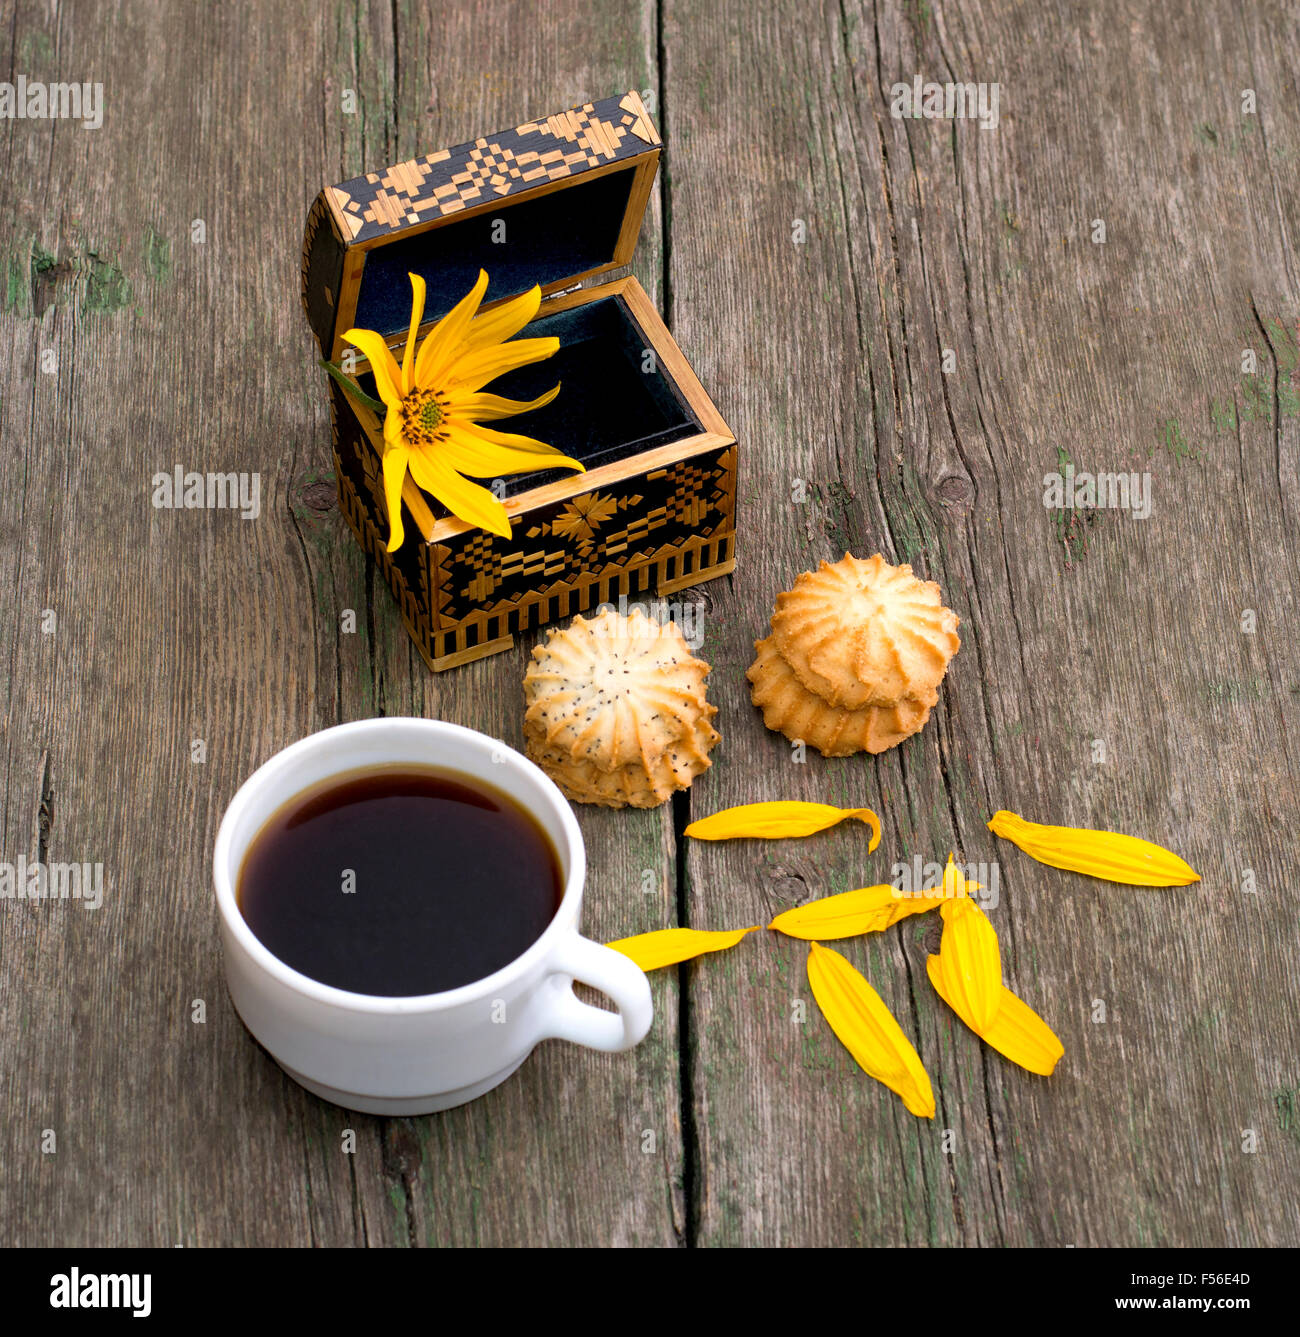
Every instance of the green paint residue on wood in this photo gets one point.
(36, 48)
(1231, 142)
(157, 256)
(1254, 399)
(28, 273)
(816, 1056)
(1174, 443)
(920, 13)
(1074, 526)
(16, 285)
(1232, 692)
(1285, 345)
(107, 288)
(42, 261)
(1285, 348)
(1286, 1101)
(397, 1200)
(1223, 414)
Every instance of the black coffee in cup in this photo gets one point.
(399, 881)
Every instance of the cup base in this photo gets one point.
(401, 1106)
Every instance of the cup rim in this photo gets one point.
(225, 878)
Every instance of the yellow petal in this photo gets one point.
(388, 377)
(445, 341)
(466, 450)
(503, 322)
(393, 438)
(472, 371)
(511, 440)
(465, 500)
(417, 314)
(671, 945)
(484, 407)
(1103, 854)
(394, 476)
(867, 1029)
(779, 821)
(867, 910)
(1019, 1033)
(954, 882)
(970, 963)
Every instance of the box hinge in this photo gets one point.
(563, 292)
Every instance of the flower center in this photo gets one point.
(422, 417)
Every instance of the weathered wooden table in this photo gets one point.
(916, 318)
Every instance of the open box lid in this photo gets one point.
(549, 202)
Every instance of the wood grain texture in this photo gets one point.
(827, 358)
(181, 625)
(131, 631)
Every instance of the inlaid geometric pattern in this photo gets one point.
(468, 595)
(449, 180)
(692, 497)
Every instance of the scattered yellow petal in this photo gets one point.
(970, 963)
(867, 910)
(867, 1029)
(669, 946)
(779, 821)
(1104, 854)
(955, 883)
(1018, 1033)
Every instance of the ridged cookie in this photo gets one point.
(791, 709)
(634, 785)
(616, 712)
(865, 633)
(610, 690)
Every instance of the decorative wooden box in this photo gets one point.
(551, 202)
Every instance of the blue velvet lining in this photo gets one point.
(546, 239)
(615, 398)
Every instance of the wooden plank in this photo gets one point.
(131, 631)
(177, 625)
(827, 359)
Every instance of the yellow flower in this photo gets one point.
(435, 406)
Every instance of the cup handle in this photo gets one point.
(621, 980)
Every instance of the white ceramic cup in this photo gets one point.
(413, 1055)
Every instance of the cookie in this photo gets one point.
(864, 633)
(634, 785)
(611, 691)
(791, 709)
(616, 712)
